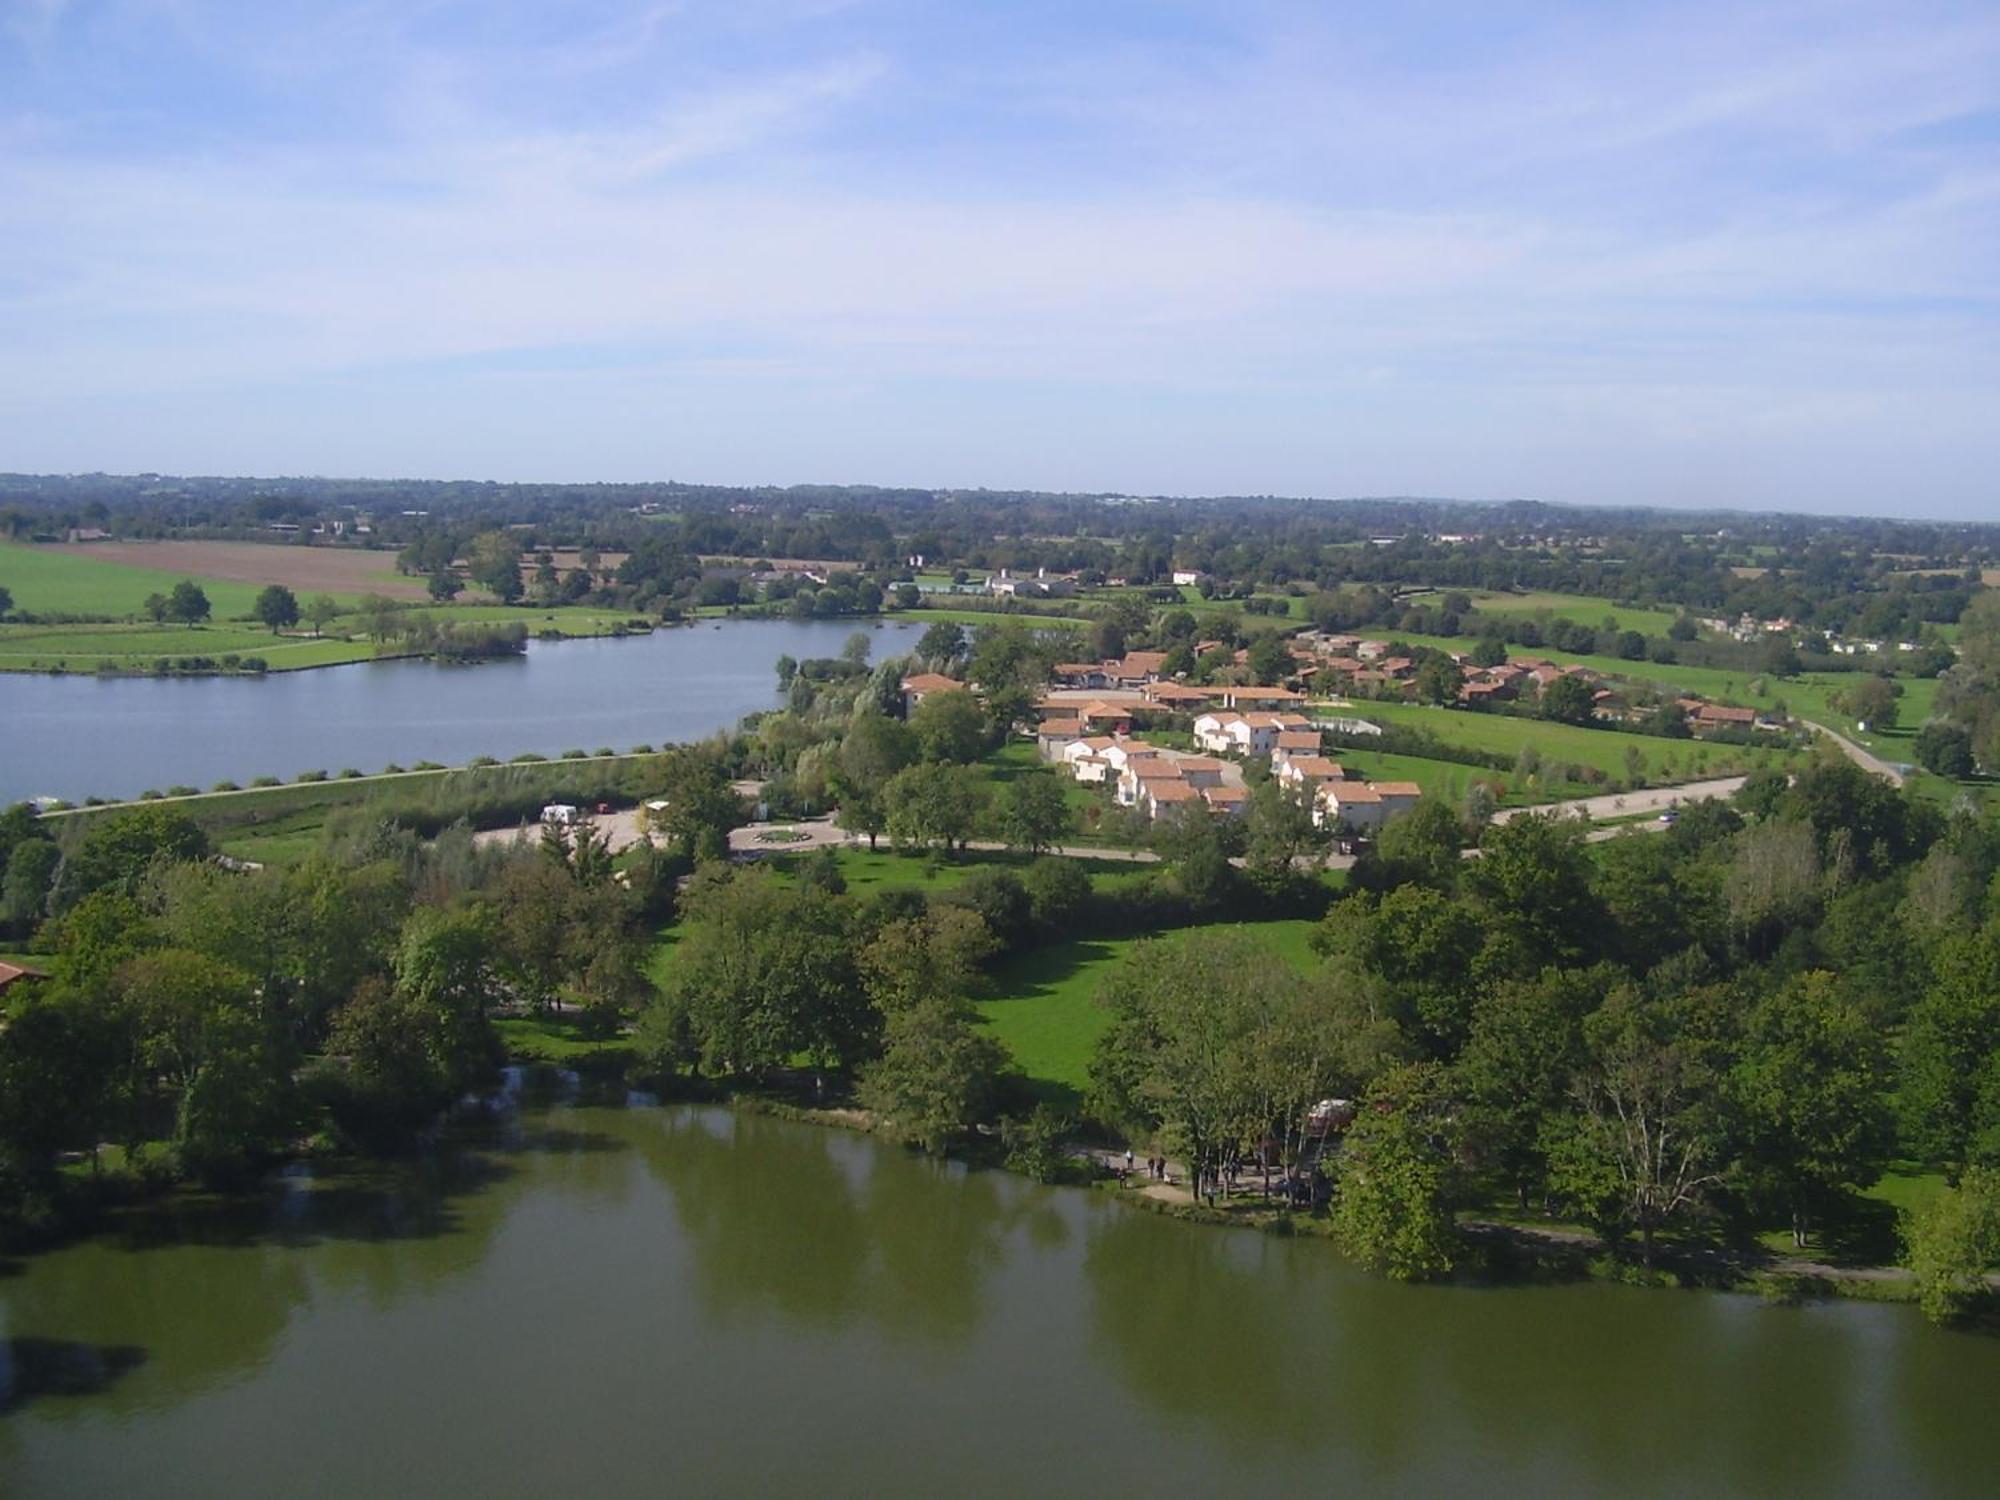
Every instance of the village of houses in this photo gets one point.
(1094, 717)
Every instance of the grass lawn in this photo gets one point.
(1585, 609)
(135, 646)
(1043, 1008)
(552, 1039)
(929, 615)
(1605, 749)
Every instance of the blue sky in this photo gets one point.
(1736, 254)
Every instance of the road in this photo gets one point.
(1630, 804)
(1861, 755)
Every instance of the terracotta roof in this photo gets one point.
(1063, 728)
(1349, 791)
(1315, 768)
(1298, 739)
(1199, 763)
(1174, 692)
(1267, 694)
(1140, 663)
(1098, 742)
(1171, 791)
(1224, 794)
(1722, 714)
(930, 682)
(12, 973)
(1292, 721)
(1153, 768)
(1396, 788)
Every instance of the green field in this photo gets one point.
(1605, 749)
(1044, 1011)
(135, 647)
(1585, 609)
(45, 580)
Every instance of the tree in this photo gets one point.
(1951, 1241)
(949, 726)
(156, 608)
(930, 806)
(1809, 1088)
(321, 610)
(1944, 749)
(766, 971)
(937, 1073)
(443, 585)
(1569, 699)
(1949, 1040)
(1034, 813)
(1644, 1147)
(1533, 873)
(6, 601)
(202, 1037)
(933, 956)
(188, 603)
(1489, 651)
(444, 970)
(117, 852)
(701, 805)
(1280, 829)
(24, 891)
(1393, 1200)
(278, 607)
(1871, 701)
(1425, 845)
(1438, 679)
(1176, 1057)
(1517, 1068)
(1269, 660)
(495, 564)
(942, 645)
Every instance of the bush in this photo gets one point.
(568, 755)
(182, 789)
(264, 781)
(483, 760)
(392, 769)
(151, 794)
(310, 776)
(429, 765)
(530, 758)
(349, 773)
(224, 786)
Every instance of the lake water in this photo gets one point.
(681, 1301)
(82, 736)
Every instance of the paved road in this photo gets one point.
(1629, 804)
(1861, 755)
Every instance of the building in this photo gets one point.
(1053, 734)
(921, 685)
(1163, 795)
(1307, 770)
(12, 974)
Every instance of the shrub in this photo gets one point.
(427, 765)
(392, 769)
(530, 758)
(569, 755)
(264, 781)
(348, 773)
(182, 789)
(483, 760)
(311, 776)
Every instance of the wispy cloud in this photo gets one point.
(1493, 251)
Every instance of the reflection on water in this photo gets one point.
(636, 1300)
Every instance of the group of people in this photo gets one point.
(1156, 1167)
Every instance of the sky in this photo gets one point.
(1734, 254)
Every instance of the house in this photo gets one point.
(1085, 759)
(921, 685)
(1721, 716)
(1351, 802)
(1199, 771)
(1053, 734)
(1308, 770)
(1186, 577)
(1260, 697)
(1082, 674)
(1141, 772)
(12, 974)
(1237, 734)
(1136, 668)
(1295, 742)
(1161, 796)
(1176, 695)
(1363, 806)
(1231, 801)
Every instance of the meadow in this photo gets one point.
(1043, 1006)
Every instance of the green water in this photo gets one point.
(604, 1302)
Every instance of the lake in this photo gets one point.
(685, 1301)
(81, 736)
